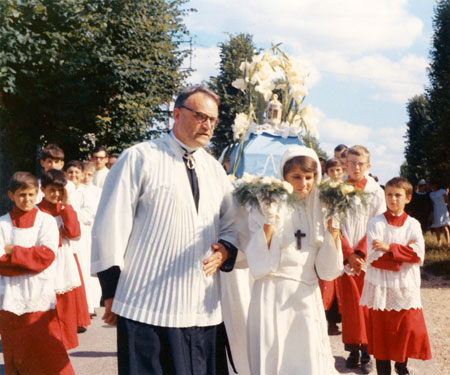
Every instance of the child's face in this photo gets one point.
(357, 166)
(24, 199)
(48, 164)
(335, 173)
(88, 176)
(53, 193)
(301, 181)
(396, 199)
(74, 174)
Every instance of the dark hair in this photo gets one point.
(99, 149)
(333, 162)
(340, 148)
(53, 177)
(305, 163)
(74, 163)
(22, 180)
(52, 151)
(191, 90)
(401, 183)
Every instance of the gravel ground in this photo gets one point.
(96, 354)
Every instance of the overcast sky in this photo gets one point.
(365, 59)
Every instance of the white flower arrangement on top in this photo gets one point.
(273, 71)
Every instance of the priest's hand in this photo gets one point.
(215, 261)
(109, 317)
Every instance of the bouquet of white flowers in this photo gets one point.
(256, 190)
(340, 197)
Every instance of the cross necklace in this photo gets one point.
(299, 236)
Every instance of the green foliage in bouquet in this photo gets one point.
(251, 190)
(340, 197)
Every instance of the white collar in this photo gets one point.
(182, 145)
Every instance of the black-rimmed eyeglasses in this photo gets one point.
(201, 117)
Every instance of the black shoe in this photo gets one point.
(366, 364)
(352, 360)
(333, 329)
(81, 329)
(401, 369)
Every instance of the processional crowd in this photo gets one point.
(182, 268)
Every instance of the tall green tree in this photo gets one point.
(439, 94)
(418, 142)
(236, 49)
(78, 72)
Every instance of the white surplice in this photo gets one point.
(147, 224)
(287, 330)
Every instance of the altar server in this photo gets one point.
(29, 327)
(354, 247)
(396, 250)
(163, 227)
(287, 332)
(56, 202)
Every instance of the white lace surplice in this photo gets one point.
(31, 292)
(391, 290)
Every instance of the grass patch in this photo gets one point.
(437, 258)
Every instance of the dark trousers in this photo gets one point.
(144, 349)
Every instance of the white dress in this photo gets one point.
(440, 210)
(287, 331)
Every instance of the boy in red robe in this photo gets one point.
(396, 329)
(353, 239)
(29, 327)
(56, 203)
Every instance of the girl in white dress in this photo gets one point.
(287, 251)
(441, 218)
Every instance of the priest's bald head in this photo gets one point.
(195, 115)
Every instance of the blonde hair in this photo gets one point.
(359, 151)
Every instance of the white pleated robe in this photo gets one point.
(148, 225)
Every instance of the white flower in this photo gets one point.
(247, 178)
(288, 187)
(298, 92)
(309, 119)
(347, 189)
(244, 67)
(266, 180)
(240, 125)
(239, 84)
(334, 184)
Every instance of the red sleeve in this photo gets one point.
(346, 248)
(387, 262)
(25, 260)
(403, 253)
(71, 225)
(361, 248)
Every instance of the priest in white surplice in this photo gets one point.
(163, 227)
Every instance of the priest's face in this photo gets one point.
(194, 122)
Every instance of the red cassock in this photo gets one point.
(71, 306)
(397, 335)
(354, 316)
(32, 342)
